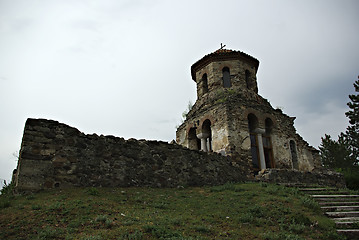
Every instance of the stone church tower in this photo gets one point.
(230, 117)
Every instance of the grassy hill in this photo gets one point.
(230, 211)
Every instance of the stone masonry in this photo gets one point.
(56, 155)
(231, 118)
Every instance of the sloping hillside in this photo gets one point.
(230, 211)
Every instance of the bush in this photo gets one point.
(351, 177)
(7, 189)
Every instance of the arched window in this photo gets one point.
(204, 83)
(226, 77)
(193, 142)
(206, 130)
(247, 76)
(252, 125)
(267, 143)
(293, 152)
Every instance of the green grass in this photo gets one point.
(230, 211)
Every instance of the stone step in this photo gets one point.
(325, 192)
(327, 200)
(350, 233)
(340, 208)
(346, 219)
(317, 189)
(346, 225)
(338, 203)
(335, 196)
(342, 214)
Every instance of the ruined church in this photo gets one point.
(231, 134)
(231, 118)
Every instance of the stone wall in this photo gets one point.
(56, 155)
(228, 112)
(323, 177)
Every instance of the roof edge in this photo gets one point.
(221, 55)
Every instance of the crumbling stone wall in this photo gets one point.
(56, 155)
(322, 177)
(228, 111)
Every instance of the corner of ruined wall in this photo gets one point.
(39, 143)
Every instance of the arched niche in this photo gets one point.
(207, 136)
(194, 142)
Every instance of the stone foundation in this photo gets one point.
(321, 177)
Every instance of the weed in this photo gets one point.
(101, 218)
(4, 203)
(105, 220)
(50, 233)
(281, 236)
(202, 229)
(160, 232)
(225, 187)
(30, 197)
(136, 235)
(325, 224)
(296, 228)
(109, 223)
(310, 203)
(176, 222)
(93, 191)
(35, 207)
(130, 222)
(257, 211)
(160, 205)
(96, 237)
(332, 235)
(75, 223)
(56, 206)
(246, 218)
(299, 218)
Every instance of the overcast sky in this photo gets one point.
(122, 67)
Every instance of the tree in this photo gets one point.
(352, 132)
(344, 153)
(335, 154)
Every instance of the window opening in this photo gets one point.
(247, 76)
(204, 83)
(226, 77)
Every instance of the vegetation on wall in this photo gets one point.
(343, 154)
(185, 112)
